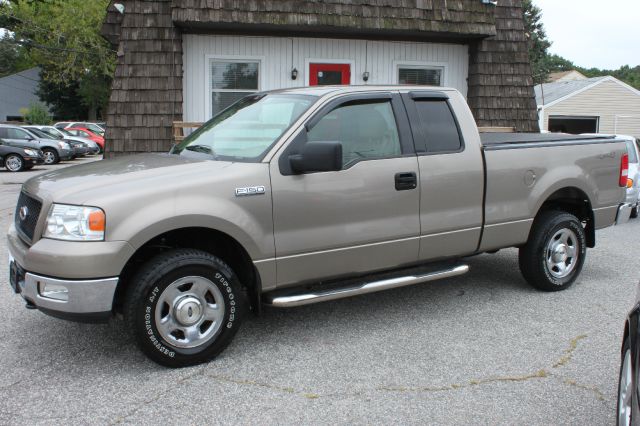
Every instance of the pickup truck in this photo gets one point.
(305, 195)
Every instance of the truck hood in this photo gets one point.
(77, 184)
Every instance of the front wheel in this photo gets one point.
(184, 307)
(50, 156)
(554, 255)
(14, 163)
(634, 212)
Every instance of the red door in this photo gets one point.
(324, 74)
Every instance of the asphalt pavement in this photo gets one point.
(483, 348)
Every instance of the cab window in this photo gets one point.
(366, 131)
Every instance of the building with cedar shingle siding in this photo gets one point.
(186, 60)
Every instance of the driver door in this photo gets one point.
(362, 218)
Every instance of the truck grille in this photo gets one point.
(27, 214)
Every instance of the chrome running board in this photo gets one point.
(300, 299)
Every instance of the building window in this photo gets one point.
(232, 80)
(420, 75)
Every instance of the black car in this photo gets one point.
(628, 385)
(16, 159)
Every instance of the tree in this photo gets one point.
(537, 38)
(36, 114)
(13, 57)
(63, 38)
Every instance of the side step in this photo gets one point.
(319, 295)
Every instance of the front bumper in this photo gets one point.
(624, 213)
(65, 154)
(76, 300)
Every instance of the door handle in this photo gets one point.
(406, 181)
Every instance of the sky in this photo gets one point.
(593, 33)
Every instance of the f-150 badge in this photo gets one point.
(250, 190)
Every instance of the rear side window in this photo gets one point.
(4, 133)
(438, 126)
(633, 157)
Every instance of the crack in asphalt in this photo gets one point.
(568, 353)
(156, 397)
(540, 374)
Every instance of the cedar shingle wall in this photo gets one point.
(448, 17)
(146, 94)
(500, 83)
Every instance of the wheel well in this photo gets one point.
(574, 201)
(210, 240)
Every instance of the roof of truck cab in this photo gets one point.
(325, 90)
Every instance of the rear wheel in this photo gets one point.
(554, 255)
(50, 156)
(184, 307)
(625, 386)
(14, 163)
(634, 212)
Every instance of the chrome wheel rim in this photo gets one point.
(13, 163)
(49, 157)
(625, 391)
(189, 312)
(562, 253)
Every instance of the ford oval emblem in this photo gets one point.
(24, 211)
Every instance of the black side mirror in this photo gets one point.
(317, 157)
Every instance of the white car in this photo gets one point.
(633, 182)
(91, 126)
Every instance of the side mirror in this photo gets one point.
(317, 157)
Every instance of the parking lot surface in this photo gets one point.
(483, 348)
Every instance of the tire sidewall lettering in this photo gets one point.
(149, 307)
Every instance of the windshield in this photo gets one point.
(54, 134)
(247, 129)
(38, 133)
(94, 128)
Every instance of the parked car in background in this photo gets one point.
(86, 133)
(17, 159)
(633, 179)
(62, 134)
(53, 150)
(80, 149)
(628, 412)
(95, 128)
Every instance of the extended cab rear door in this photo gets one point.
(451, 173)
(361, 218)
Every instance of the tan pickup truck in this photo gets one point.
(305, 195)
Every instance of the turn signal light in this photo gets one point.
(96, 220)
(629, 183)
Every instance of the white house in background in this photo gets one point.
(591, 105)
(18, 91)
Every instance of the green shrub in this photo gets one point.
(36, 114)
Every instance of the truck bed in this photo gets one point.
(529, 140)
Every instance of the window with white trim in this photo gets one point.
(421, 75)
(232, 80)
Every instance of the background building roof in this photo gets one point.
(560, 89)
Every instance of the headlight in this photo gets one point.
(75, 223)
(64, 145)
(31, 152)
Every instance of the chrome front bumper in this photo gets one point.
(80, 300)
(624, 212)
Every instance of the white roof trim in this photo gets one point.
(591, 86)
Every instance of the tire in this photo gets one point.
(634, 212)
(556, 239)
(50, 156)
(625, 380)
(177, 288)
(14, 163)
